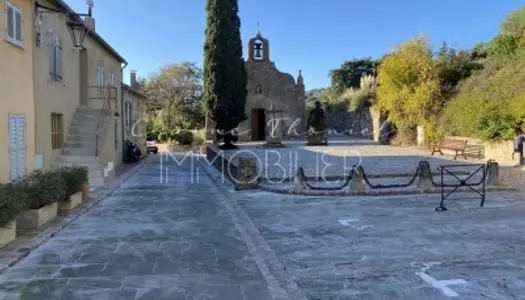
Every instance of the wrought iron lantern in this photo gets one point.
(76, 26)
(78, 32)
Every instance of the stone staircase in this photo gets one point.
(80, 146)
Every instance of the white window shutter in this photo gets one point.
(130, 113)
(10, 18)
(52, 63)
(58, 60)
(18, 24)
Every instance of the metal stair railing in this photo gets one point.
(105, 111)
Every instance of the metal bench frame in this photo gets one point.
(458, 146)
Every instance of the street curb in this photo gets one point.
(18, 254)
(371, 193)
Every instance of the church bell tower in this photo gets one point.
(259, 49)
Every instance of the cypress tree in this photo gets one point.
(224, 72)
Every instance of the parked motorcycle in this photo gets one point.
(133, 152)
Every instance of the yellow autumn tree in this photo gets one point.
(409, 89)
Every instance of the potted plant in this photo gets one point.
(10, 206)
(42, 191)
(73, 179)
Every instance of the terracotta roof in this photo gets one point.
(92, 33)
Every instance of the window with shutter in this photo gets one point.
(112, 79)
(128, 118)
(100, 81)
(100, 75)
(14, 25)
(57, 131)
(18, 26)
(55, 62)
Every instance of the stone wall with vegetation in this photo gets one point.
(355, 123)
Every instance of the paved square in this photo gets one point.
(175, 231)
(149, 240)
(395, 247)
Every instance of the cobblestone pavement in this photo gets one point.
(395, 247)
(147, 240)
(339, 157)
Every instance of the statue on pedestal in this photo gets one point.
(317, 126)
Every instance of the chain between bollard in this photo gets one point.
(320, 188)
(386, 186)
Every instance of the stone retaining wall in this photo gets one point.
(499, 151)
(366, 123)
(240, 170)
(354, 123)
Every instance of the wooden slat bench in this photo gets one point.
(455, 145)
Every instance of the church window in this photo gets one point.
(258, 90)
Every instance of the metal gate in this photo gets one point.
(17, 146)
(458, 182)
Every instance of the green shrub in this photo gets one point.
(11, 201)
(42, 188)
(198, 140)
(184, 137)
(73, 179)
(491, 103)
(163, 137)
(173, 134)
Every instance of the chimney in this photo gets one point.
(90, 22)
(133, 79)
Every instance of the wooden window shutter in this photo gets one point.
(18, 25)
(10, 18)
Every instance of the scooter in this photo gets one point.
(133, 152)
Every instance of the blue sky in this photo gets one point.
(315, 36)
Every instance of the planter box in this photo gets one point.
(85, 192)
(74, 201)
(7, 233)
(35, 218)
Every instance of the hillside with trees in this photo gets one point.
(477, 92)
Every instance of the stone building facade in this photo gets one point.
(272, 95)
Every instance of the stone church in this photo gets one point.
(272, 95)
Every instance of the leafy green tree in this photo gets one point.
(479, 51)
(504, 44)
(454, 66)
(225, 75)
(513, 21)
(171, 91)
(409, 89)
(444, 50)
(350, 73)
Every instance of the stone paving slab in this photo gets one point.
(148, 240)
(32, 239)
(372, 248)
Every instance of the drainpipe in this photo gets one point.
(121, 108)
